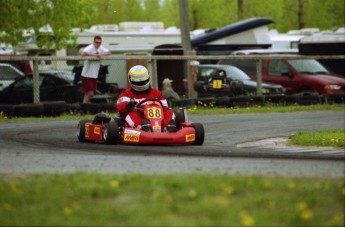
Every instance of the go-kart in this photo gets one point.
(113, 131)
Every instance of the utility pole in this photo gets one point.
(185, 30)
(187, 47)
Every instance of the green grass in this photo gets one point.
(334, 138)
(265, 109)
(169, 200)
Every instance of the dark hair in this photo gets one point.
(97, 37)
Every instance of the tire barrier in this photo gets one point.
(56, 108)
(29, 110)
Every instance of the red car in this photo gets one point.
(104, 129)
(295, 75)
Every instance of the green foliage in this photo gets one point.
(62, 15)
(31, 15)
(94, 199)
(334, 138)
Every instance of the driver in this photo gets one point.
(140, 89)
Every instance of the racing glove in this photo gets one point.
(130, 105)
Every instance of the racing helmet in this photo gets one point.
(139, 78)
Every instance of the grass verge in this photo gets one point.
(334, 138)
(92, 199)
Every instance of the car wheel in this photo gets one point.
(111, 133)
(199, 133)
(81, 130)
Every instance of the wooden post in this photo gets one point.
(192, 74)
(35, 80)
(259, 77)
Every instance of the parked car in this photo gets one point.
(8, 74)
(53, 87)
(215, 80)
(295, 75)
(22, 65)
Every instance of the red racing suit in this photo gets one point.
(134, 117)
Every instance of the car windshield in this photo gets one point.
(309, 66)
(236, 74)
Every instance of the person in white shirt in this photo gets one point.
(91, 68)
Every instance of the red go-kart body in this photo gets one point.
(112, 131)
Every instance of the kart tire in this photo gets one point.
(111, 133)
(81, 130)
(179, 117)
(199, 133)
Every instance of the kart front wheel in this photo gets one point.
(81, 130)
(111, 133)
(199, 133)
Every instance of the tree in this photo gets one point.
(18, 17)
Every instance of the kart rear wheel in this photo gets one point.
(111, 133)
(199, 133)
(81, 130)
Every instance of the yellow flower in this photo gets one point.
(291, 185)
(228, 190)
(302, 205)
(156, 194)
(246, 219)
(343, 191)
(114, 183)
(222, 200)
(317, 185)
(307, 214)
(67, 211)
(192, 193)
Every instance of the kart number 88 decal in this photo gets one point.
(154, 112)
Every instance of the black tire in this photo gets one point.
(73, 108)
(8, 110)
(108, 107)
(111, 133)
(54, 108)
(81, 130)
(29, 110)
(199, 133)
(90, 108)
(179, 117)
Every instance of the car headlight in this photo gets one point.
(332, 87)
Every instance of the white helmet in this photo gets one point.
(139, 78)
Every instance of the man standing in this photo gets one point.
(91, 68)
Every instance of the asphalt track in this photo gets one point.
(234, 144)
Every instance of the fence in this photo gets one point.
(180, 68)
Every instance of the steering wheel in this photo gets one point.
(139, 104)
